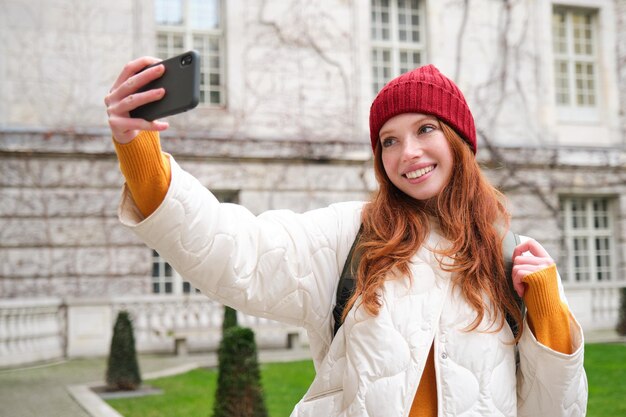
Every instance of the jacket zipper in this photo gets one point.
(323, 394)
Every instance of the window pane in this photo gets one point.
(587, 243)
(161, 41)
(178, 43)
(603, 259)
(397, 39)
(380, 20)
(562, 82)
(214, 45)
(585, 91)
(409, 60)
(581, 262)
(559, 32)
(573, 32)
(204, 14)
(579, 214)
(408, 21)
(381, 68)
(600, 214)
(198, 17)
(168, 12)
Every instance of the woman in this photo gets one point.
(424, 333)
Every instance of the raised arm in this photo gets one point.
(146, 169)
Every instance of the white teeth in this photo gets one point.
(416, 174)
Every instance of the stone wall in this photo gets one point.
(620, 18)
(59, 233)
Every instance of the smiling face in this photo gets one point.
(416, 154)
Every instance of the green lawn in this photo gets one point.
(192, 394)
(606, 372)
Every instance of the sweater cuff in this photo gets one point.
(141, 158)
(542, 294)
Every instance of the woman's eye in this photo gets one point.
(426, 129)
(387, 142)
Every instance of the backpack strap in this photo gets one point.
(511, 240)
(347, 280)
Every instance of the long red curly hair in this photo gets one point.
(472, 216)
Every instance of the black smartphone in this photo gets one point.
(181, 81)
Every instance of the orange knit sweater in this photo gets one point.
(147, 172)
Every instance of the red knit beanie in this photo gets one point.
(423, 90)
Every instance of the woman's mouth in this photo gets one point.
(419, 172)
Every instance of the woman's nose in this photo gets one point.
(412, 149)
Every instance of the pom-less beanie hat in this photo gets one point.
(423, 90)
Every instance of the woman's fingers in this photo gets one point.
(519, 286)
(533, 260)
(132, 68)
(133, 101)
(531, 254)
(124, 97)
(130, 86)
(531, 246)
(528, 257)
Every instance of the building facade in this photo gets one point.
(283, 123)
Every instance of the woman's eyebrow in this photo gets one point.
(384, 133)
(419, 121)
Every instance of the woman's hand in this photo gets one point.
(528, 257)
(124, 97)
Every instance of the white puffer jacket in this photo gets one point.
(285, 266)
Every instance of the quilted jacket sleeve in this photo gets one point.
(551, 383)
(280, 265)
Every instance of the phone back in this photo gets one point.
(181, 81)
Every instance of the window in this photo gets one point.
(574, 34)
(397, 39)
(165, 280)
(588, 245)
(194, 24)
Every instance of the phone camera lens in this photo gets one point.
(186, 60)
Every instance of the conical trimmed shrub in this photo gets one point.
(230, 318)
(621, 321)
(239, 392)
(122, 367)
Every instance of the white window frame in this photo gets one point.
(588, 256)
(394, 47)
(213, 70)
(573, 111)
(160, 279)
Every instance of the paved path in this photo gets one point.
(42, 391)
